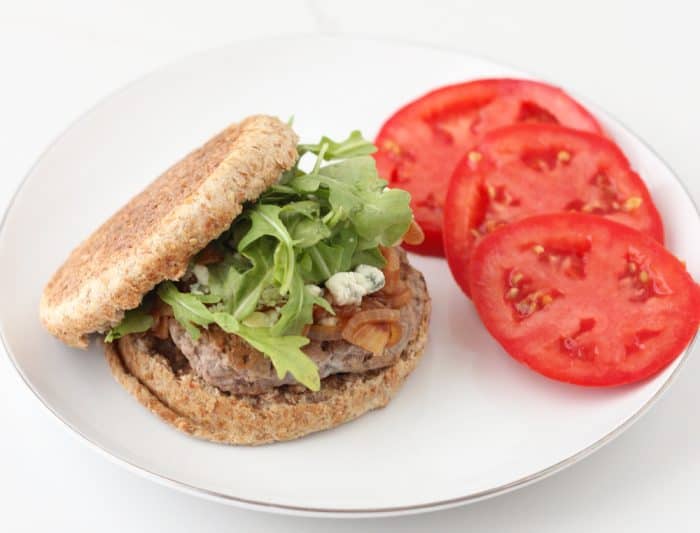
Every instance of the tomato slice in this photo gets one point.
(583, 299)
(529, 169)
(421, 143)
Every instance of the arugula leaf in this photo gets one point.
(335, 217)
(134, 321)
(324, 260)
(226, 322)
(307, 208)
(265, 219)
(207, 298)
(284, 266)
(253, 281)
(304, 223)
(187, 308)
(355, 145)
(379, 215)
(347, 241)
(320, 301)
(285, 354)
(298, 311)
(280, 193)
(307, 232)
(305, 183)
(224, 278)
(371, 256)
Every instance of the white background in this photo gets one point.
(57, 59)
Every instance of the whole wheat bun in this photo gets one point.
(186, 402)
(153, 237)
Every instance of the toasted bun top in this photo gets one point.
(153, 237)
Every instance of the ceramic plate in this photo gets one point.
(469, 423)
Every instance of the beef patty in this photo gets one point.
(226, 361)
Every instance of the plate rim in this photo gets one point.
(329, 512)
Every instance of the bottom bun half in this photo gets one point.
(188, 403)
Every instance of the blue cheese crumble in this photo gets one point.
(348, 288)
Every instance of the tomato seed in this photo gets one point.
(391, 146)
(632, 203)
(563, 156)
(474, 157)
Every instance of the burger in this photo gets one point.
(255, 291)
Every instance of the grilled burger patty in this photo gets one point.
(229, 363)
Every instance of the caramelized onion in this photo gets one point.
(208, 256)
(414, 234)
(374, 301)
(392, 271)
(393, 261)
(345, 311)
(160, 312)
(319, 313)
(395, 333)
(392, 282)
(372, 337)
(401, 298)
(319, 332)
(369, 316)
(160, 328)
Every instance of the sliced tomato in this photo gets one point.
(421, 143)
(583, 299)
(530, 169)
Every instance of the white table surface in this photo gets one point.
(57, 59)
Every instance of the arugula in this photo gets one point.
(134, 321)
(354, 146)
(224, 278)
(187, 308)
(285, 354)
(253, 281)
(378, 215)
(266, 221)
(298, 233)
(371, 256)
(284, 351)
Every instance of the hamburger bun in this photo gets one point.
(153, 237)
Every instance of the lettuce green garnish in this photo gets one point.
(299, 233)
(134, 321)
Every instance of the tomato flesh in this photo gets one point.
(582, 299)
(523, 170)
(421, 143)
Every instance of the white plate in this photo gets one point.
(469, 423)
